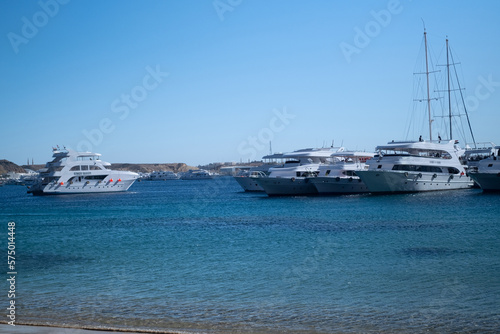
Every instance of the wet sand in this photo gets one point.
(22, 329)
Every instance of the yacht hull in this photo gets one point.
(277, 186)
(487, 181)
(338, 185)
(248, 183)
(405, 182)
(81, 188)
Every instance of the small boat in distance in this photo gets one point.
(163, 175)
(199, 174)
(72, 172)
(487, 174)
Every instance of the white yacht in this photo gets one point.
(423, 165)
(340, 176)
(473, 155)
(72, 172)
(415, 166)
(163, 175)
(247, 179)
(487, 174)
(199, 174)
(293, 177)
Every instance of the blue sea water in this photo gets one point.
(203, 256)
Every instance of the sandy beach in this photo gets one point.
(8, 329)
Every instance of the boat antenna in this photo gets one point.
(270, 148)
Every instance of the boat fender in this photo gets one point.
(462, 174)
(406, 174)
(419, 175)
(88, 182)
(451, 177)
(293, 179)
(110, 180)
(434, 176)
(337, 179)
(119, 180)
(62, 183)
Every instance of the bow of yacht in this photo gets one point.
(487, 174)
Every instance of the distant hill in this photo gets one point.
(138, 168)
(6, 166)
(33, 167)
(148, 168)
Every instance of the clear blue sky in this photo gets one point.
(93, 74)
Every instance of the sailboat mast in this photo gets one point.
(463, 101)
(449, 89)
(428, 93)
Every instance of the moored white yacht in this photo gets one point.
(72, 172)
(340, 176)
(163, 175)
(293, 177)
(415, 166)
(199, 174)
(487, 174)
(473, 155)
(247, 179)
(423, 165)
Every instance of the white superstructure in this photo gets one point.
(488, 172)
(339, 177)
(292, 178)
(415, 166)
(72, 172)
